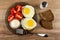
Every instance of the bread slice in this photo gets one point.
(46, 24)
(47, 15)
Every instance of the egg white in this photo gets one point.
(24, 21)
(31, 13)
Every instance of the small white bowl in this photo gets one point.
(43, 5)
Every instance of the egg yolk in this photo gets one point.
(30, 23)
(26, 11)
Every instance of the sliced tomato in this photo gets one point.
(19, 16)
(13, 11)
(19, 8)
(10, 18)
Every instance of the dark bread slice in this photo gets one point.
(47, 15)
(46, 24)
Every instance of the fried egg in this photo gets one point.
(14, 24)
(28, 11)
(28, 23)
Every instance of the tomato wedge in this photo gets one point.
(10, 18)
(13, 11)
(19, 16)
(19, 8)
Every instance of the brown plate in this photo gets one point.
(8, 13)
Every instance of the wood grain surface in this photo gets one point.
(54, 34)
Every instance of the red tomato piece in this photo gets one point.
(19, 16)
(10, 18)
(19, 8)
(13, 11)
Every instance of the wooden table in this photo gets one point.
(54, 34)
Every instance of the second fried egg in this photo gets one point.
(28, 23)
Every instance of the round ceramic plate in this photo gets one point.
(8, 13)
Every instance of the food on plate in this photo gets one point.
(15, 14)
(46, 24)
(28, 11)
(19, 8)
(19, 16)
(47, 15)
(13, 11)
(28, 23)
(14, 24)
(10, 18)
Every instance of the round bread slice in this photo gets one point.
(47, 15)
(46, 24)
